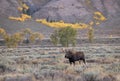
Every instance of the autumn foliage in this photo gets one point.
(90, 34)
(13, 40)
(24, 15)
(2, 32)
(22, 18)
(62, 24)
(32, 36)
(97, 19)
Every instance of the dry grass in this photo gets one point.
(101, 66)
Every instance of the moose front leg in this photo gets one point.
(70, 61)
(74, 63)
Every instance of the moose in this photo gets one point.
(75, 56)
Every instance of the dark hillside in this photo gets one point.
(67, 10)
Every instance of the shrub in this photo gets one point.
(90, 34)
(64, 36)
(2, 32)
(55, 38)
(113, 68)
(90, 76)
(31, 36)
(92, 73)
(13, 40)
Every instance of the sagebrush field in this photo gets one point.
(49, 64)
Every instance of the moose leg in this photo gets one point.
(79, 62)
(74, 63)
(70, 63)
(84, 61)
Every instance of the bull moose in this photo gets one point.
(75, 56)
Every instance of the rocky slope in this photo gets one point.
(67, 10)
(78, 10)
(8, 7)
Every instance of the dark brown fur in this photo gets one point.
(2, 68)
(75, 56)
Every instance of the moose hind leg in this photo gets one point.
(79, 61)
(84, 61)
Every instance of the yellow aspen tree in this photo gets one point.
(90, 34)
